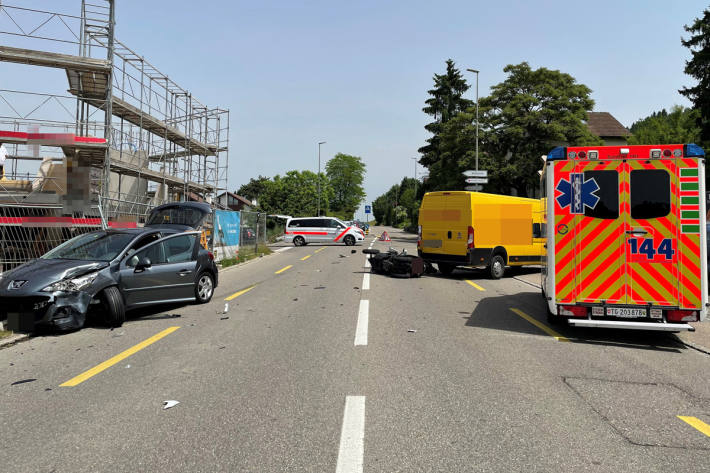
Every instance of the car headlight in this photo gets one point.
(72, 285)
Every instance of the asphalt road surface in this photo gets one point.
(318, 366)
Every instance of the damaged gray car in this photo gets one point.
(107, 272)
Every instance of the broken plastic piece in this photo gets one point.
(169, 404)
(22, 381)
(223, 318)
(411, 330)
(226, 307)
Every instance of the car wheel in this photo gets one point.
(204, 288)
(299, 241)
(115, 313)
(349, 240)
(497, 267)
(446, 268)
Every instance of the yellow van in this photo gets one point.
(480, 230)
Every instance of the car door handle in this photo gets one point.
(636, 232)
(184, 272)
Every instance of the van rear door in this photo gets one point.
(433, 227)
(599, 225)
(456, 218)
(651, 232)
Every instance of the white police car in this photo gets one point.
(302, 231)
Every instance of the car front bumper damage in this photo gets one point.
(59, 310)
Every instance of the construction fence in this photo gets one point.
(29, 231)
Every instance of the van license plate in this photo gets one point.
(625, 312)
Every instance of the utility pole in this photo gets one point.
(319, 143)
(476, 72)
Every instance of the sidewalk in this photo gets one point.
(700, 339)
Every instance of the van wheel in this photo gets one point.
(497, 267)
(115, 313)
(349, 240)
(446, 268)
(299, 241)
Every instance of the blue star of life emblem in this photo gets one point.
(577, 193)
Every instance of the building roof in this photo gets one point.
(603, 124)
(243, 200)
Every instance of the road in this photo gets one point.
(311, 370)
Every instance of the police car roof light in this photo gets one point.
(691, 150)
(557, 153)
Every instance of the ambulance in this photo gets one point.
(625, 230)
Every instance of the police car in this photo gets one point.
(302, 231)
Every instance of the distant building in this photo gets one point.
(608, 128)
(233, 201)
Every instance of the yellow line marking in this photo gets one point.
(121, 356)
(540, 325)
(319, 249)
(697, 423)
(306, 257)
(237, 294)
(475, 285)
(284, 269)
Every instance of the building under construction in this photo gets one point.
(123, 138)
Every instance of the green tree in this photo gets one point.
(525, 116)
(677, 126)
(254, 188)
(346, 174)
(445, 102)
(698, 67)
(295, 194)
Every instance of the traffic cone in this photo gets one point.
(385, 237)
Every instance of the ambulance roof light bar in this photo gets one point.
(691, 150)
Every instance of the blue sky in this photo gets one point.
(355, 74)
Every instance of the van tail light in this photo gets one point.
(573, 310)
(210, 255)
(682, 315)
(469, 242)
(419, 235)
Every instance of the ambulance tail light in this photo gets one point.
(655, 153)
(573, 311)
(469, 242)
(593, 154)
(682, 315)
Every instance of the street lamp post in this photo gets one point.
(415, 178)
(476, 72)
(319, 143)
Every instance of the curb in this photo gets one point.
(13, 339)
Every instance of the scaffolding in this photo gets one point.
(159, 142)
(124, 135)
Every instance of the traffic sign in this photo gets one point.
(368, 209)
(472, 173)
(476, 180)
(476, 187)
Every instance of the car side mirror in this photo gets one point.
(143, 263)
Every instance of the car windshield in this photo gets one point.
(178, 216)
(94, 246)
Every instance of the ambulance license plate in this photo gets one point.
(625, 312)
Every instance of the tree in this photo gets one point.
(528, 114)
(254, 188)
(698, 67)
(678, 126)
(445, 103)
(295, 194)
(346, 174)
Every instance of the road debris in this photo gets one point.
(223, 318)
(226, 307)
(23, 381)
(128, 366)
(352, 252)
(411, 330)
(174, 315)
(294, 300)
(319, 287)
(114, 335)
(169, 404)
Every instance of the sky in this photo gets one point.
(356, 74)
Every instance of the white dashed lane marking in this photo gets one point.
(366, 282)
(362, 322)
(352, 436)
